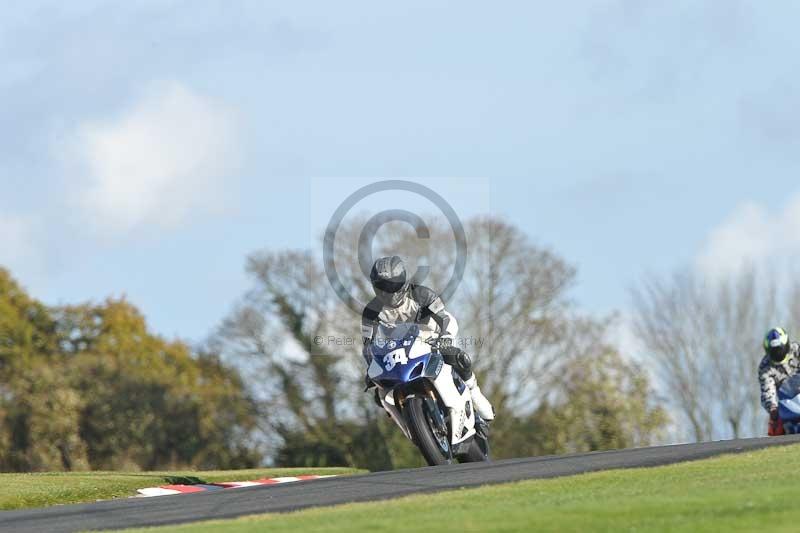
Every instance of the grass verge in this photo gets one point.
(42, 489)
(743, 492)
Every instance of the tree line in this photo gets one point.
(91, 387)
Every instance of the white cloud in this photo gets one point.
(753, 235)
(162, 160)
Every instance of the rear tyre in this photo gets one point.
(432, 441)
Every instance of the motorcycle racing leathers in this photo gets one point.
(771, 375)
(424, 307)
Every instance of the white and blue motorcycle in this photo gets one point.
(426, 397)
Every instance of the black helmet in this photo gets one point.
(776, 344)
(388, 277)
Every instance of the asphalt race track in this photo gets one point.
(229, 503)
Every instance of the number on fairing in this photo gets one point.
(394, 358)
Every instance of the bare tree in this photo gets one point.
(702, 338)
(280, 333)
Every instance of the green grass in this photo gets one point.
(745, 492)
(39, 490)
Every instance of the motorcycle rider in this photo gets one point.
(780, 362)
(397, 301)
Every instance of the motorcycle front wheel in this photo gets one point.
(433, 441)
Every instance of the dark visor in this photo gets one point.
(778, 353)
(386, 285)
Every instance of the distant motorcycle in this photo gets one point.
(425, 397)
(789, 404)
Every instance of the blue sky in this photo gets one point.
(146, 149)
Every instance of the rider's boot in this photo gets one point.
(482, 405)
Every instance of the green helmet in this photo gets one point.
(776, 345)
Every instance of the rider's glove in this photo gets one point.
(444, 342)
(773, 414)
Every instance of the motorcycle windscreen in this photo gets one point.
(789, 399)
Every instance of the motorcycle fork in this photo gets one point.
(433, 407)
